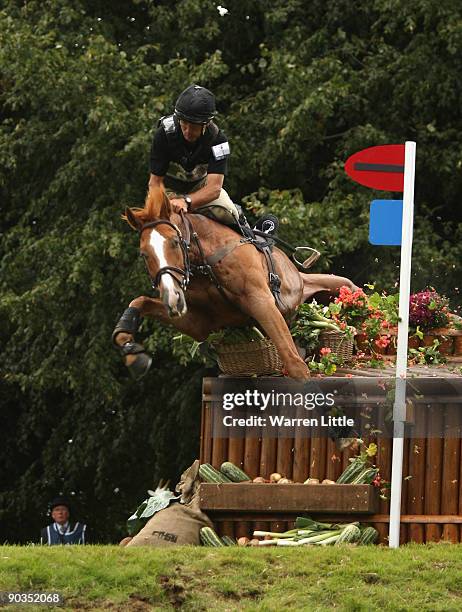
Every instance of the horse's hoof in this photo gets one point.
(140, 367)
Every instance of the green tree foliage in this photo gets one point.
(300, 86)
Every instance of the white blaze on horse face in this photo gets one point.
(170, 292)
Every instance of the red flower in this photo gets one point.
(325, 351)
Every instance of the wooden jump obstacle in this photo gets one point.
(431, 505)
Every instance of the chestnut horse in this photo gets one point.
(208, 277)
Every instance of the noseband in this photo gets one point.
(185, 272)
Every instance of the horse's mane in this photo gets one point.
(156, 206)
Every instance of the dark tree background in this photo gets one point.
(300, 86)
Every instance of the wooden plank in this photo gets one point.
(384, 454)
(450, 478)
(268, 454)
(318, 456)
(403, 532)
(225, 528)
(433, 472)
(206, 447)
(285, 457)
(219, 451)
(333, 460)
(301, 467)
(252, 457)
(354, 499)
(236, 451)
(409, 519)
(251, 466)
(416, 485)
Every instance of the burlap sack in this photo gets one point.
(189, 483)
(177, 524)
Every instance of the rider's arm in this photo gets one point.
(209, 192)
(156, 181)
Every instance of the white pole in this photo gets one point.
(399, 408)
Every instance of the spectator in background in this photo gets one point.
(62, 531)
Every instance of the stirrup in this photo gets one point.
(309, 261)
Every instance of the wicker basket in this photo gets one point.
(249, 358)
(338, 342)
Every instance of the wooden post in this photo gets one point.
(384, 452)
(416, 485)
(433, 472)
(451, 476)
(333, 460)
(318, 456)
(301, 458)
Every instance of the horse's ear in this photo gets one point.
(166, 208)
(132, 220)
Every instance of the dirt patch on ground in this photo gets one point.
(174, 591)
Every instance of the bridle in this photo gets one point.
(205, 265)
(185, 272)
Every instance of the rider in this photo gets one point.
(189, 157)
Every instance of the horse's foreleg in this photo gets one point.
(263, 310)
(195, 324)
(123, 336)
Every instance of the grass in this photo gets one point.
(415, 577)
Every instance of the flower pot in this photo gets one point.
(458, 346)
(392, 347)
(376, 348)
(446, 342)
(362, 343)
(413, 342)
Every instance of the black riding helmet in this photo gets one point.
(196, 105)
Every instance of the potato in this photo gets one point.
(327, 481)
(243, 541)
(275, 477)
(311, 481)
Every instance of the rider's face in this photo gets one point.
(191, 131)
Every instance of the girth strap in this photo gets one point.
(274, 280)
(224, 251)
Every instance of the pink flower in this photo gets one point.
(382, 342)
(325, 351)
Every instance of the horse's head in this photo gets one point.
(163, 249)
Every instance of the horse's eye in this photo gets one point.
(175, 243)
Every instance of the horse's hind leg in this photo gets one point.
(263, 310)
(317, 283)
